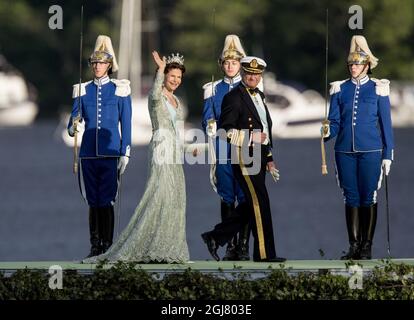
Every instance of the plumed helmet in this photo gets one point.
(359, 52)
(232, 49)
(104, 52)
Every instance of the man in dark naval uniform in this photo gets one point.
(221, 172)
(247, 127)
(105, 108)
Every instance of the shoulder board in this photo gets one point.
(382, 87)
(336, 86)
(209, 88)
(123, 89)
(75, 93)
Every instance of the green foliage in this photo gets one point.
(289, 35)
(126, 281)
(49, 59)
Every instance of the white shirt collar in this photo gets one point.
(362, 81)
(101, 81)
(235, 79)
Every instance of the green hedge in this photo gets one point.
(125, 281)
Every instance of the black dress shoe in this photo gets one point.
(275, 259)
(211, 245)
(96, 250)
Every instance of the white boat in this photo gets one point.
(295, 114)
(299, 114)
(402, 104)
(16, 108)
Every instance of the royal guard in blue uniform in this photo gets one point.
(360, 120)
(104, 107)
(246, 124)
(221, 173)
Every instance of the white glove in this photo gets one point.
(122, 163)
(79, 126)
(325, 129)
(275, 174)
(211, 127)
(386, 166)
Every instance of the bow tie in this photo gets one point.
(253, 91)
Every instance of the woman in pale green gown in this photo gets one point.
(156, 231)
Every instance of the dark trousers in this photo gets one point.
(98, 181)
(359, 175)
(256, 210)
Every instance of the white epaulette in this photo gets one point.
(336, 86)
(209, 88)
(75, 93)
(382, 87)
(123, 89)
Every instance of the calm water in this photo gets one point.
(44, 218)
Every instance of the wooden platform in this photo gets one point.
(255, 269)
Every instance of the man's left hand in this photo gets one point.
(273, 171)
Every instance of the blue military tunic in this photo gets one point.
(106, 103)
(106, 110)
(227, 186)
(360, 119)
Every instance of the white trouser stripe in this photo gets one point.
(82, 183)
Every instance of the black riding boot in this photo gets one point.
(352, 215)
(368, 222)
(107, 227)
(227, 210)
(94, 232)
(243, 244)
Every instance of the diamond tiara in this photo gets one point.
(177, 58)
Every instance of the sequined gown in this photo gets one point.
(157, 229)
